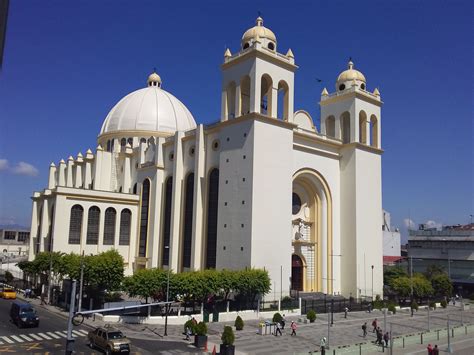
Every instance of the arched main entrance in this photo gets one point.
(296, 273)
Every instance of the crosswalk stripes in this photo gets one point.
(35, 337)
(52, 335)
(8, 340)
(26, 337)
(18, 339)
(47, 337)
(61, 334)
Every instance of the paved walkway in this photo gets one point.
(343, 335)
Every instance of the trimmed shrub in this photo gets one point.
(378, 304)
(444, 304)
(201, 328)
(432, 304)
(311, 315)
(391, 308)
(239, 323)
(414, 306)
(228, 336)
(277, 318)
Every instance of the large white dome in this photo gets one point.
(149, 109)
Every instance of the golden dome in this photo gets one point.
(258, 31)
(350, 74)
(154, 80)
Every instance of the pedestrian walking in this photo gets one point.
(323, 345)
(364, 329)
(283, 322)
(278, 329)
(293, 328)
(436, 350)
(374, 324)
(379, 337)
(369, 307)
(386, 338)
(188, 333)
(430, 349)
(345, 312)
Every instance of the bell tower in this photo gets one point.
(257, 78)
(352, 115)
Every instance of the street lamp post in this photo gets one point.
(167, 294)
(411, 277)
(372, 282)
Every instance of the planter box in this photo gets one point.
(200, 341)
(227, 349)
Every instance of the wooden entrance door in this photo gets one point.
(296, 273)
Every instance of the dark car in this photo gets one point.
(23, 315)
(110, 340)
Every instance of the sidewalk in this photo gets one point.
(344, 334)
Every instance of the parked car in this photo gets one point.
(110, 340)
(8, 293)
(23, 314)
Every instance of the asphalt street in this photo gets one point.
(50, 337)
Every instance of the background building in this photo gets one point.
(391, 241)
(260, 188)
(451, 248)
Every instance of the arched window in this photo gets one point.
(109, 226)
(142, 140)
(245, 95)
(266, 95)
(135, 189)
(188, 220)
(331, 126)
(123, 142)
(93, 220)
(108, 145)
(167, 220)
(75, 224)
(212, 209)
(362, 127)
(130, 141)
(230, 100)
(346, 127)
(125, 224)
(374, 131)
(144, 218)
(283, 100)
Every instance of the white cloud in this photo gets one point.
(433, 224)
(23, 168)
(408, 223)
(3, 164)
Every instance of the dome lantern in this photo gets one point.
(154, 80)
(260, 33)
(350, 77)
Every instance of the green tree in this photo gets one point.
(421, 286)
(146, 283)
(392, 273)
(252, 282)
(105, 270)
(227, 281)
(433, 270)
(442, 285)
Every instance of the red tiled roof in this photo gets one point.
(391, 259)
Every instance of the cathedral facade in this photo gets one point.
(262, 188)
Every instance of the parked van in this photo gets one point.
(23, 315)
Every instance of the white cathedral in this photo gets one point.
(261, 188)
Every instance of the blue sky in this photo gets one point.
(67, 63)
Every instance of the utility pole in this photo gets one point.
(332, 312)
(411, 277)
(391, 340)
(449, 350)
(372, 282)
(50, 267)
(79, 305)
(167, 296)
(428, 314)
(72, 304)
(329, 327)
